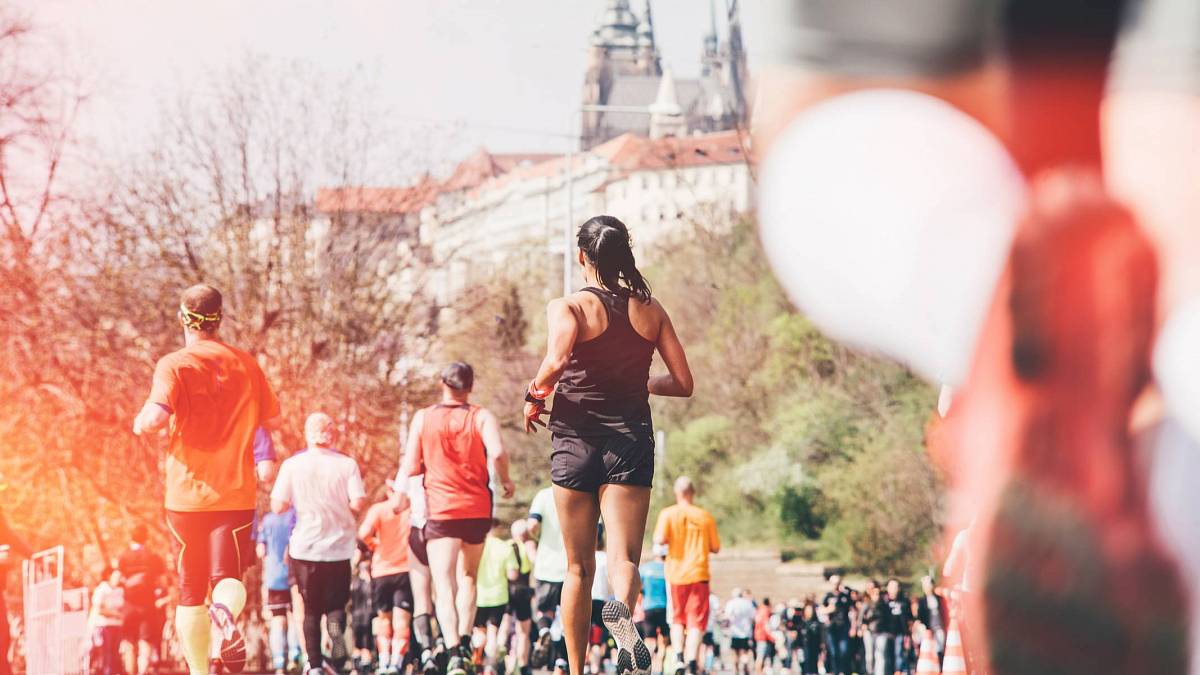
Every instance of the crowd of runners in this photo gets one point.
(442, 574)
(427, 579)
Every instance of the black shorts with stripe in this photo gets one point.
(213, 545)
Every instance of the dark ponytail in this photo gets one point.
(605, 243)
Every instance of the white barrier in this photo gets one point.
(76, 643)
(43, 597)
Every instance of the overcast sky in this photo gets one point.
(509, 72)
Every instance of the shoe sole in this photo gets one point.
(633, 658)
(233, 645)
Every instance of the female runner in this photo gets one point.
(601, 342)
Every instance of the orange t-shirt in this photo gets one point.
(388, 539)
(218, 398)
(454, 462)
(690, 534)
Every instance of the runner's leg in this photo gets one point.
(443, 564)
(468, 570)
(624, 508)
(192, 624)
(578, 513)
(230, 550)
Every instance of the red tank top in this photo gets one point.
(456, 468)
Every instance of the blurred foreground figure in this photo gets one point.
(1066, 570)
(1072, 576)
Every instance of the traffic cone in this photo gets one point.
(955, 661)
(927, 662)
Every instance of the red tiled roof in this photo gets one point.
(628, 153)
(483, 166)
(632, 153)
(485, 170)
(392, 200)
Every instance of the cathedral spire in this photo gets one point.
(709, 59)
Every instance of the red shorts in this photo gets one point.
(690, 605)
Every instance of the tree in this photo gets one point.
(333, 306)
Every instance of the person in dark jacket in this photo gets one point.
(894, 620)
(933, 612)
(812, 637)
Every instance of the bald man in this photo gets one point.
(326, 489)
(690, 535)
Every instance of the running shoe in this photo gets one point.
(456, 666)
(428, 665)
(233, 646)
(541, 650)
(632, 656)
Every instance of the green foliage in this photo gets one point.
(792, 439)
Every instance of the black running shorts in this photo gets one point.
(141, 623)
(364, 637)
(279, 602)
(520, 602)
(392, 591)
(656, 623)
(416, 545)
(584, 464)
(469, 530)
(738, 644)
(214, 545)
(324, 585)
(549, 595)
(485, 616)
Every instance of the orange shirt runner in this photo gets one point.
(690, 533)
(219, 397)
(388, 539)
(454, 461)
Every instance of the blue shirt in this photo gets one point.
(654, 585)
(274, 531)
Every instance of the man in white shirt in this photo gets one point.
(326, 489)
(740, 613)
(549, 570)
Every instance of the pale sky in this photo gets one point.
(510, 73)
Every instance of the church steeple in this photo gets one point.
(709, 59)
(648, 56)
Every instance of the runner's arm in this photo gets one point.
(562, 329)
(714, 538)
(281, 494)
(156, 412)
(678, 380)
(151, 418)
(411, 461)
(366, 531)
(355, 490)
(489, 431)
(660, 530)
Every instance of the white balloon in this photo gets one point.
(1177, 366)
(888, 216)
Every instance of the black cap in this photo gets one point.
(458, 376)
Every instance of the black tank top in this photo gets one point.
(603, 389)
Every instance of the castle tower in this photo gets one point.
(621, 45)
